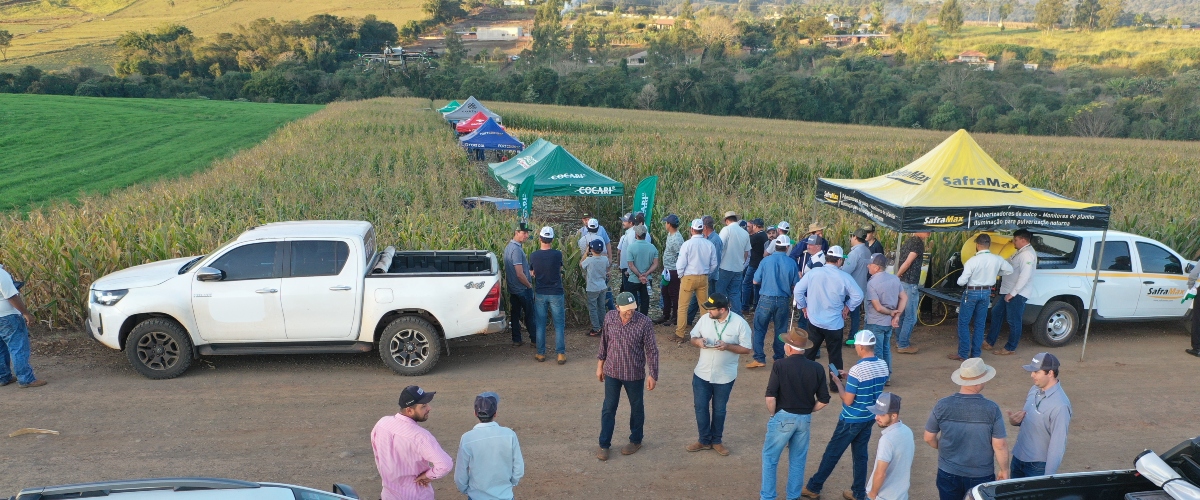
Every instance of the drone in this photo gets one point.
(391, 57)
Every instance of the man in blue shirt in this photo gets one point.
(549, 295)
(827, 294)
(489, 461)
(520, 287)
(776, 275)
(864, 384)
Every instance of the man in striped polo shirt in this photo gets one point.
(864, 384)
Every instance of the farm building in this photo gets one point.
(976, 59)
(638, 59)
(498, 33)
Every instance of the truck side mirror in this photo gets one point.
(209, 274)
(344, 490)
(1189, 267)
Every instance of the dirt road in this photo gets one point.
(307, 419)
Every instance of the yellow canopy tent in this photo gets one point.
(957, 186)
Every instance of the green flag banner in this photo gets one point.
(525, 198)
(643, 197)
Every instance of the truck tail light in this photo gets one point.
(492, 301)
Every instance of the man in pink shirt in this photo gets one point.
(408, 457)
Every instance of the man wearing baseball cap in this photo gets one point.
(697, 258)
(776, 277)
(967, 430)
(1044, 421)
(758, 244)
(735, 254)
(780, 229)
(855, 264)
(872, 239)
(893, 456)
(810, 254)
(408, 457)
(628, 356)
(642, 264)
(670, 292)
(826, 295)
(549, 295)
(591, 232)
(489, 460)
(520, 286)
(711, 234)
(795, 389)
(884, 302)
(600, 231)
(722, 337)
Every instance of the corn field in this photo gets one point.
(395, 163)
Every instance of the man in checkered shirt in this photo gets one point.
(628, 351)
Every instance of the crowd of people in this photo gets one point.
(808, 292)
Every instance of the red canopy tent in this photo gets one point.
(472, 123)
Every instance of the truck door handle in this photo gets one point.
(340, 287)
(1147, 282)
(1099, 281)
(266, 290)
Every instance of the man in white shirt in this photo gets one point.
(722, 338)
(489, 461)
(1015, 290)
(893, 458)
(978, 276)
(697, 258)
(735, 252)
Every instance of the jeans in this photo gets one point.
(749, 290)
(608, 413)
(952, 487)
(855, 435)
(641, 293)
(596, 310)
(697, 285)
(520, 308)
(14, 342)
(730, 284)
(908, 320)
(883, 343)
(791, 430)
(1014, 312)
(770, 309)
(711, 426)
(972, 313)
(557, 304)
(1026, 469)
(694, 306)
(855, 320)
(833, 343)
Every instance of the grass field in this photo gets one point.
(56, 147)
(393, 162)
(1070, 47)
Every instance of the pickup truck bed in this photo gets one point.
(419, 262)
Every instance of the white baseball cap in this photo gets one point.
(546, 232)
(835, 251)
(698, 224)
(784, 226)
(782, 241)
(593, 224)
(863, 337)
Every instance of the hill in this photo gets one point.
(57, 147)
(372, 160)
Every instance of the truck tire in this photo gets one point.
(1056, 325)
(409, 346)
(159, 349)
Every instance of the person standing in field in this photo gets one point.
(1192, 277)
(873, 243)
(813, 254)
(826, 295)
(643, 262)
(520, 287)
(595, 266)
(697, 258)
(893, 457)
(722, 337)
(758, 245)
(670, 293)
(547, 264)
(14, 336)
(1044, 421)
(591, 232)
(967, 430)
(408, 457)
(885, 300)
(795, 390)
(600, 231)
(735, 254)
(1015, 290)
(628, 358)
(711, 235)
(489, 461)
(776, 276)
(908, 268)
(978, 276)
(856, 266)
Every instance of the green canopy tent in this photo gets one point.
(451, 106)
(557, 173)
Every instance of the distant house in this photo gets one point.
(638, 59)
(977, 60)
(837, 23)
(499, 33)
(1031, 66)
(840, 41)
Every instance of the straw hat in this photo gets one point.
(814, 227)
(973, 372)
(797, 338)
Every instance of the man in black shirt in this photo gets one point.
(758, 244)
(796, 389)
(873, 243)
(549, 296)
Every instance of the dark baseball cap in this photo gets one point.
(887, 403)
(814, 239)
(413, 395)
(639, 218)
(870, 228)
(757, 221)
(596, 245)
(861, 234)
(1043, 361)
(524, 228)
(628, 217)
(716, 301)
(626, 301)
(671, 219)
(486, 404)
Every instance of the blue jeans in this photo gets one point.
(1014, 312)
(855, 320)
(749, 290)
(608, 413)
(855, 435)
(952, 487)
(771, 309)
(791, 430)
(14, 342)
(520, 308)
(704, 393)
(883, 343)
(908, 320)
(1026, 469)
(557, 304)
(596, 310)
(730, 284)
(972, 313)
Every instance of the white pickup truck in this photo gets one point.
(297, 287)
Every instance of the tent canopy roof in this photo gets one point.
(451, 106)
(557, 173)
(472, 123)
(490, 135)
(956, 186)
(468, 109)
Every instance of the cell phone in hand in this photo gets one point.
(833, 369)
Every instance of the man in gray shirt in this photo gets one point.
(967, 430)
(1044, 421)
(520, 288)
(884, 301)
(856, 266)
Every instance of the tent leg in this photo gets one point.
(1092, 300)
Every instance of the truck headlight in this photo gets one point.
(108, 297)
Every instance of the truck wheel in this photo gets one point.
(159, 349)
(409, 346)
(1056, 324)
